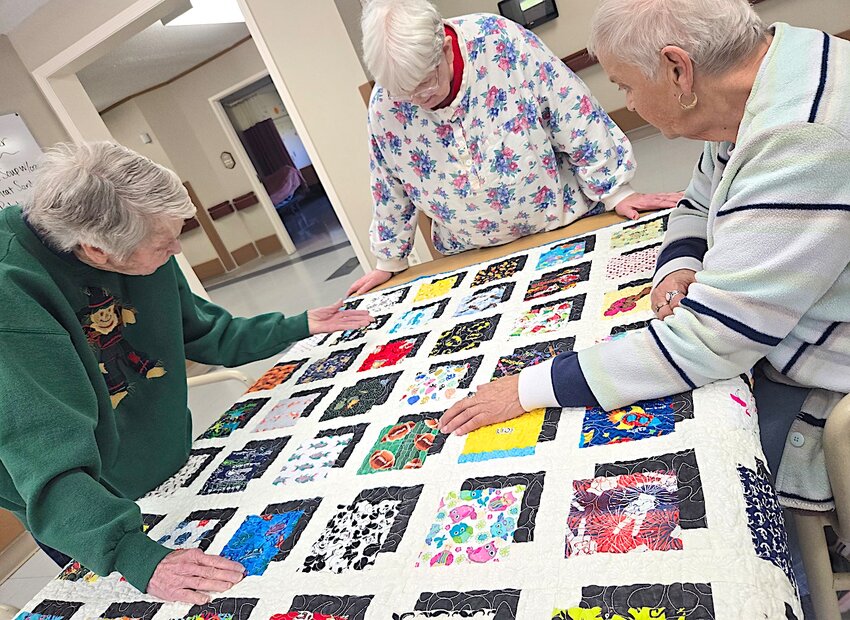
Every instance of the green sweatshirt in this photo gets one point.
(73, 341)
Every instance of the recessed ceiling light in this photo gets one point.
(209, 12)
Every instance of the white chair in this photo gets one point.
(220, 375)
(823, 582)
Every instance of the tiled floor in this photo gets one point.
(663, 166)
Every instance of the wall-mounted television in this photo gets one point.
(529, 13)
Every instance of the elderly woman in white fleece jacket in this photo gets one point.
(754, 267)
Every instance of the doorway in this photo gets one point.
(264, 137)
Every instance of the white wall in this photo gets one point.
(570, 31)
(19, 93)
(127, 123)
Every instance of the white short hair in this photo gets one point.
(402, 42)
(102, 194)
(716, 34)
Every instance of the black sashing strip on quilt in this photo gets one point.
(441, 307)
(239, 608)
(460, 276)
(261, 383)
(150, 521)
(255, 404)
(357, 430)
(349, 607)
(499, 270)
(789, 613)
(683, 406)
(322, 392)
(350, 335)
(420, 338)
(309, 506)
(641, 249)
(316, 372)
(473, 362)
(469, 333)
(439, 438)
(272, 447)
(223, 514)
(522, 357)
(503, 602)
(690, 496)
(210, 455)
(361, 397)
(694, 599)
(622, 329)
(576, 305)
(61, 609)
(589, 244)
(550, 424)
(400, 294)
(548, 283)
(135, 611)
(530, 501)
(644, 222)
(507, 290)
(641, 282)
(407, 498)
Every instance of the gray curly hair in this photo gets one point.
(102, 194)
(717, 34)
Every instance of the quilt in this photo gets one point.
(329, 481)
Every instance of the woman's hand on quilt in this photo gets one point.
(631, 205)
(186, 575)
(671, 291)
(374, 278)
(332, 319)
(494, 402)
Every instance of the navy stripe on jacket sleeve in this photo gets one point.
(569, 384)
(669, 358)
(824, 64)
(693, 247)
(787, 206)
(733, 324)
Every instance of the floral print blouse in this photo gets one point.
(523, 148)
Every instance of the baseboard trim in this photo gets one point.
(21, 549)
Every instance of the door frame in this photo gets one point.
(245, 160)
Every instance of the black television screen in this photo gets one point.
(529, 13)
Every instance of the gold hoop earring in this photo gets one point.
(688, 106)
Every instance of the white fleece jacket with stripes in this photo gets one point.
(765, 223)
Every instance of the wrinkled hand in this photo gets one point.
(186, 575)
(629, 206)
(332, 319)
(676, 283)
(369, 281)
(494, 402)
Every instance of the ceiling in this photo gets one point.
(13, 12)
(153, 56)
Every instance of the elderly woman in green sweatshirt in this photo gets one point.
(96, 323)
(755, 265)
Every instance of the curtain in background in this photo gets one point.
(266, 148)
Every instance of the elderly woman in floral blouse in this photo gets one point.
(476, 123)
